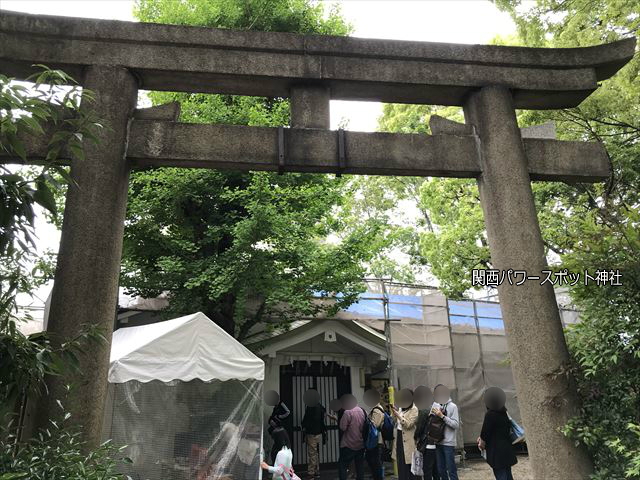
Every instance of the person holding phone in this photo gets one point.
(424, 437)
(447, 411)
(405, 414)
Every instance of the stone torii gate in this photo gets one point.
(114, 59)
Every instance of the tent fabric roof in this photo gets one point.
(186, 348)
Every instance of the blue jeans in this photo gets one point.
(445, 458)
(375, 463)
(346, 457)
(503, 473)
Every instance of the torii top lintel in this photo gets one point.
(196, 59)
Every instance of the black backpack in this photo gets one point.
(434, 433)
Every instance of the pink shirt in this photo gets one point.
(351, 424)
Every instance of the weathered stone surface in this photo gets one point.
(306, 150)
(167, 111)
(546, 130)
(546, 395)
(556, 160)
(310, 106)
(165, 143)
(179, 58)
(310, 150)
(605, 58)
(443, 126)
(86, 281)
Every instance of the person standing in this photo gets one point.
(277, 445)
(404, 445)
(376, 415)
(495, 436)
(339, 411)
(283, 464)
(279, 413)
(314, 430)
(426, 445)
(446, 410)
(425, 439)
(352, 443)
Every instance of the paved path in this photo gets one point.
(473, 470)
(479, 470)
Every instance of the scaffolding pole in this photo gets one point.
(455, 379)
(393, 374)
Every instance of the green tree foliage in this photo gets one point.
(445, 236)
(299, 16)
(241, 247)
(606, 347)
(376, 206)
(58, 453)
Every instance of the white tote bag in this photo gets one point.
(416, 463)
(290, 473)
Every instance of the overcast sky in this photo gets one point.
(455, 21)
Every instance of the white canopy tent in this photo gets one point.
(185, 348)
(186, 399)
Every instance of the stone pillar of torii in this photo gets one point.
(115, 59)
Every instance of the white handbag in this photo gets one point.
(292, 475)
(416, 463)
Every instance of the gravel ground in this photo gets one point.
(479, 470)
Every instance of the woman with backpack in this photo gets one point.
(373, 456)
(283, 464)
(495, 437)
(404, 445)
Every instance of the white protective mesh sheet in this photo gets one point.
(461, 344)
(187, 430)
(481, 360)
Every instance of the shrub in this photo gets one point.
(58, 453)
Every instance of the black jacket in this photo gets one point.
(313, 421)
(278, 415)
(421, 424)
(496, 434)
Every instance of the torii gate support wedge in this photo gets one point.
(114, 59)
